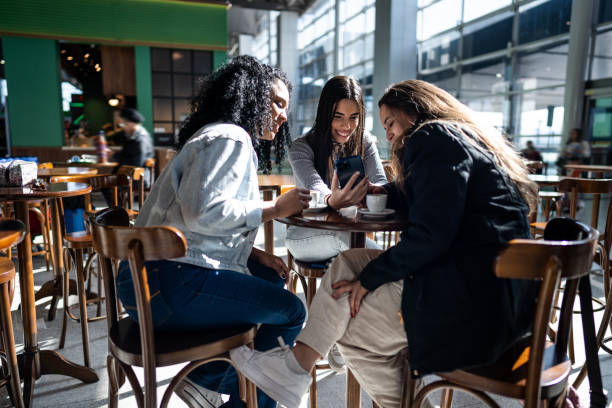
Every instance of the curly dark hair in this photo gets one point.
(238, 92)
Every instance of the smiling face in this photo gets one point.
(395, 122)
(279, 104)
(345, 120)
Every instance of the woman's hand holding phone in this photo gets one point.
(352, 193)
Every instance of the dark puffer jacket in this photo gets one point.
(462, 210)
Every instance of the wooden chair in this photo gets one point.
(79, 256)
(40, 209)
(12, 232)
(137, 343)
(534, 369)
(150, 165)
(135, 175)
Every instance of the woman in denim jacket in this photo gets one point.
(209, 192)
(466, 193)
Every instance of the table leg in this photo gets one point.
(34, 362)
(268, 227)
(31, 363)
(353, 389)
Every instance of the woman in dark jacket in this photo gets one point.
(466, 193)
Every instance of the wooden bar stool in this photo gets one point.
(76, 246)
(308, 273)
(11, 233)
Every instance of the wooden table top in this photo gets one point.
(543, 180)
(52, 190)
(589, 167)
(85, 164)
(332, 220)
(67, 171)
(274, 181)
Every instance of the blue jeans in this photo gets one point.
(195, 297)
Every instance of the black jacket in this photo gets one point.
(462, 210)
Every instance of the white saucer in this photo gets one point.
(315, 208)
(376, 215)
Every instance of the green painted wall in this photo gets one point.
(34, 94)
(96, 110)
(219, 58)
(148, 22)
(144, 91)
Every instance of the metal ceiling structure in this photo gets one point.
(298, 6)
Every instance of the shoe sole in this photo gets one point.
(192, 397)
(265, 383)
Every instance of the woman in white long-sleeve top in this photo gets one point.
(338, 131)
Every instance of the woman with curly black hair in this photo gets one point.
(209, 192)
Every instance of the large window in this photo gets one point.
(602, 57)
(507, 64)
(175, 75)
(326, 51)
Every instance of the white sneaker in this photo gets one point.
(196, 396)
(276, 372)
(335, 360)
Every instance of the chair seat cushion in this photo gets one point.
(78, 240)
(314, 269)
(132, 213)
(539, 226)
(508, 375)
(174, 347)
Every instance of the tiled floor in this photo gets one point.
(61, 392)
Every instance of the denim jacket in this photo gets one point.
(209, 191)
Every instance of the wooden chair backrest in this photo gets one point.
(163, 157)
(111, 182)
(114, 239)
(595, 187)
(135, 174)
(150, 164)
(566, 252)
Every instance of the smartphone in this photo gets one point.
(346, 167)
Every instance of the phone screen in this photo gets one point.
(347, 166)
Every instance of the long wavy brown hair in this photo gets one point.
(429, 104)
(320, 138)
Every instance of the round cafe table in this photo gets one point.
(597, 170)
(543, 180)
(67, 171)
(33, 361)
(357, 226)
(103, 168)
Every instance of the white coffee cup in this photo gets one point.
(376, 202)
(315, 198)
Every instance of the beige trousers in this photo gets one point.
(371, 342)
